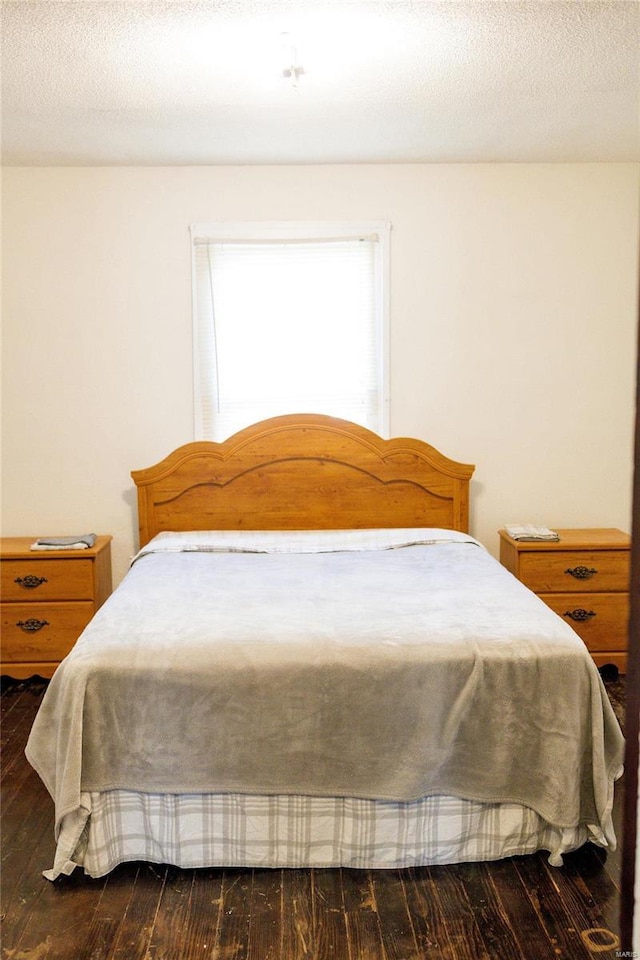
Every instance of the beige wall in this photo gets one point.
(513, 327)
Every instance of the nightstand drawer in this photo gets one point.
(601, 619)
(42, 631)
(40, 579)
(555, 571)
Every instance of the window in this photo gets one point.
(289, 318)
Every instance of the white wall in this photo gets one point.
(513, 328)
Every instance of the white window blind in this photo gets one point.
(289, 319)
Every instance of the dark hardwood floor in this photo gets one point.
(517, 909)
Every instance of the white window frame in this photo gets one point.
(300, 230)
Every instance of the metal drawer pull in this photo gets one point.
(32, 625)
(30, 581)
(580, 615)
(581, 573)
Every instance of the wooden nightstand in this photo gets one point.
(48, 598)
(584, 577)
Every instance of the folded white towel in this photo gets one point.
(528, 531)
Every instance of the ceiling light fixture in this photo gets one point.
(294, 70)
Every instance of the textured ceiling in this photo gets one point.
(172, 82)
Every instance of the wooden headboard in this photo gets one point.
(303, 472)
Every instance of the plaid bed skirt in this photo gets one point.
(227, 830)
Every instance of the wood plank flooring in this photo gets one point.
(516, 909)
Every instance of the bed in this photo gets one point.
(311, 663)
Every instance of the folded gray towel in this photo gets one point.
(81, 542)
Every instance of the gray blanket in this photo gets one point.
(388, 674)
